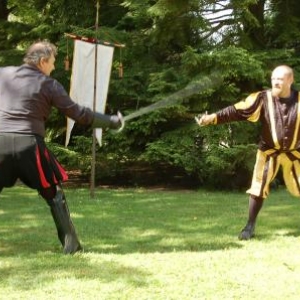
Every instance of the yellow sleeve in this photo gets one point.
(251, 105)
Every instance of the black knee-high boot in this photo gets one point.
(65, 228)
(255, 205)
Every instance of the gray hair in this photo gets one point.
(39, 50)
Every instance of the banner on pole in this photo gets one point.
(83, 79)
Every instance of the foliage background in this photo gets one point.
(169, 44)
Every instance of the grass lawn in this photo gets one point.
(150, 244)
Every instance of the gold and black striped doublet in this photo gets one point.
(280, 142)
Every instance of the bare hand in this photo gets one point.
(205, 119)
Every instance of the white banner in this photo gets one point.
(83, 78)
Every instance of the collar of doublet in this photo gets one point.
(287, 99)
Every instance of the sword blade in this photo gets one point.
(193, 88)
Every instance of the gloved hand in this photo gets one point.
(108, 121)
(118, 122)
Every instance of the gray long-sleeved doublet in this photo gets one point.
(27, 96)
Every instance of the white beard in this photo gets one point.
(276, 92)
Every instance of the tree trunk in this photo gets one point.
(4, 12)
(256, 34)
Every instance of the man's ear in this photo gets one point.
(43, 60)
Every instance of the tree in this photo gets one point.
(283, 20)
(169, 45)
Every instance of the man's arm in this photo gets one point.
(246, 110)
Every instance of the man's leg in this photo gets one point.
(255, 205)
(55, 198)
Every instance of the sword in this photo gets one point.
(191, 89)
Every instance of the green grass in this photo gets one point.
(150, 244)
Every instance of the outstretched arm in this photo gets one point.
(246, 110)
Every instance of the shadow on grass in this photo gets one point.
(141, 221)
(43, 269)
(121, 222)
